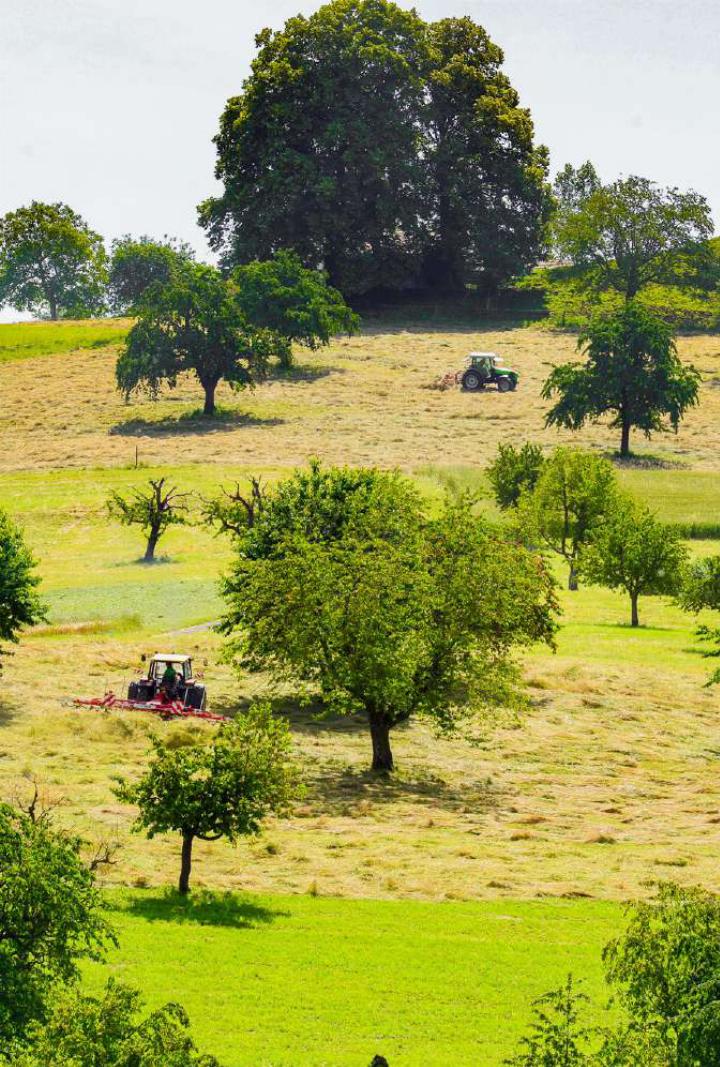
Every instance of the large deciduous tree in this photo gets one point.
(383, 612)
(385, 149)
(486, 201)
(631, 233)
(633, 551)
(20, 605)
(136, 263)
(632, 372)
(573, 494)
(49, 916)
(224, 788)
(51, 262)
(192, 324)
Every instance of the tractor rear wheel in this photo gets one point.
(196, 697)
(133, 691)
(472, 381)
(504, 385)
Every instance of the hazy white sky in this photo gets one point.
(111, 105)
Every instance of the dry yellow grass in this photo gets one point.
(363, 400)
(609, 780)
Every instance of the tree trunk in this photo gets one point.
(53, 308)
(152, 544)
(572, 577)
(635, 620)
(185, 864)
(209, 407)
(380, 733)
(625, 440)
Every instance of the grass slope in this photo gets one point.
(608, 780)
(19, 341)
(276, 981)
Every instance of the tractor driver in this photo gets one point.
(168, 683)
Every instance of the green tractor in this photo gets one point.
(485, 368)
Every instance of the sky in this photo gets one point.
(111, 105)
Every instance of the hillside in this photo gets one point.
(607, 781)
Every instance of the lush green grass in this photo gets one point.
(275, 981)
(23, 340)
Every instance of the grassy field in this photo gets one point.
(607, 781)
(273, 981)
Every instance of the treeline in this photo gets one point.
(394, 155)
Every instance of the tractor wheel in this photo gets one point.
(513, 385)
(472, 381)
(196, 697)
(504, 385)
(133, 691)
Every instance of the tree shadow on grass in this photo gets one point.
(203, 907)
(341, 792)
(8, 711)
(192, 422)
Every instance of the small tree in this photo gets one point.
(633, 551)
(234, 511)
(665, 973)
(392, 617)
(224, 788)
(138, 263)
(665, 968)
(152, 509)
(88, 1030)
(20, 605)
(632, 372)
(701, 589)
(557, 1035)
(631, 233)
(573, 494)
(295, 304)
(514, 471)
(51, 262)
(49, 916)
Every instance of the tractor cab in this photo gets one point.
(182, 665)
(484, 368)
(169, 676)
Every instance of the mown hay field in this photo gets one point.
(607, 781)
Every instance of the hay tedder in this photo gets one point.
(169, 689)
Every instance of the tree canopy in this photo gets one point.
(632, 550)
(632, 371)
(664, 971)
(106, 1031)
(51, 262)
(387, 150)
(515, 471)
(295, 304)
(20, 605)
(394, 615)
(136, 263)
(227, 328)
(49, 916)
(631, 233)
(222, 788)
(192, 323)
